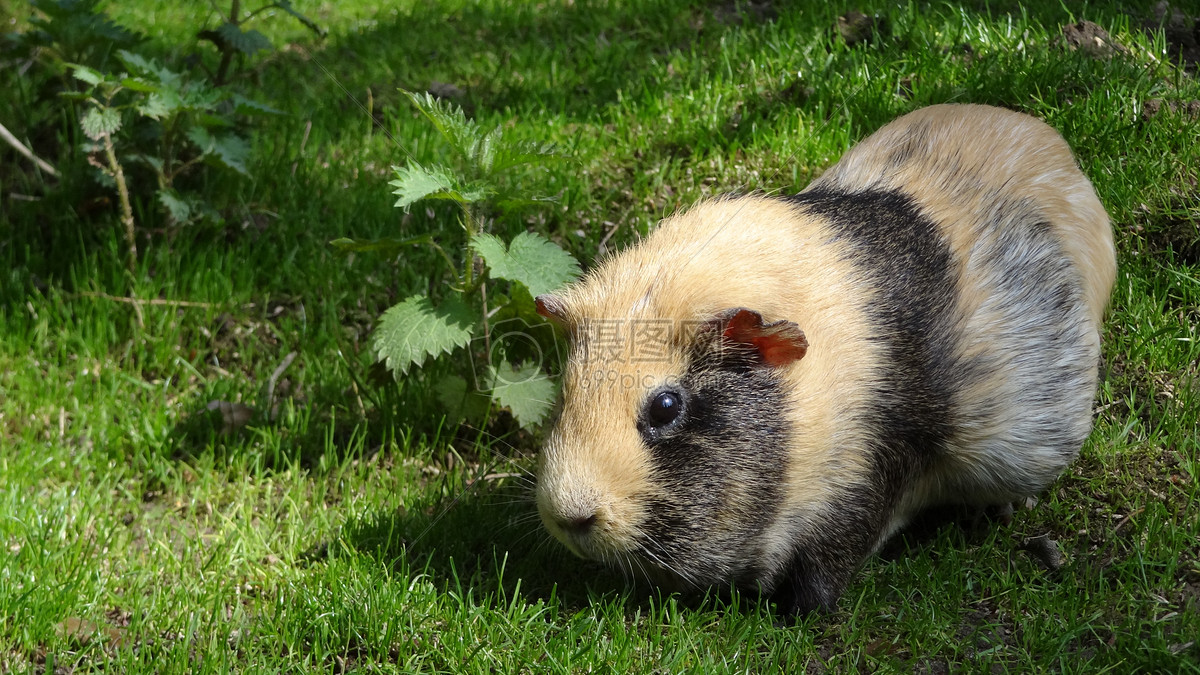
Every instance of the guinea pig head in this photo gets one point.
(669, 455)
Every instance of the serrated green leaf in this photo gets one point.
(255, 41)
(138, 84)
(170, 99)
(245, 41)
(414, 330)
(136, 62)
(515, 154)
(77, 22)
(460, 401)
(526, 391)
(243, 106)
(89, 75)
(204, 100)
(462, 134)
(159, 105)
(151, 161)
(493, 251)
(204, 141)
(149, 71)
(483, 151)
(386, 245)
(232, 150)
(202, 211)
(533, 260)
(308, 23)
(177, 207)
(228, 149)
(100, 122)
(415, 182)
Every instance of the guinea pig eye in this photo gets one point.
(664, 409)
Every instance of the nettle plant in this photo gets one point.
(235, 42)
(135, 111)
(485, 321)
(165, 121)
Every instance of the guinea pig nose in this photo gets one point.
(577, 524)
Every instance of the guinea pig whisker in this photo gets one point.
(627, 566)
(532, 521)
(642, 572)
(512, 450)
(671, 565)
(526, 481)
(544, 542)
(530, 533)
(514, 501)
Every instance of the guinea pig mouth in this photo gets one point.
(589, 534)
(633, 559)
(580, 545)
(578, 535)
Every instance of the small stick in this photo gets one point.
(155, 302)
(362, 409)
(487, 333)
(303, 144)
(20, 147)
(1126, 518)
(287, 361)
(118, 175)
(603, 245)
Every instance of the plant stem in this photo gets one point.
(227, 50)
(126, 211)
(469, 274)
(445, 256)
(487, 333)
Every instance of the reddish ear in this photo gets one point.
(778, 343)
(551, 308)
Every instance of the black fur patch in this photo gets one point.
(722, 465)
(902, 253)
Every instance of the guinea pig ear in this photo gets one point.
(552, 308)
(779, 343)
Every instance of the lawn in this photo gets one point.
(202, 469)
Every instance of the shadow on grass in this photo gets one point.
(488, 539)
(320, 430)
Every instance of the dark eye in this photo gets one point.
(664, 409)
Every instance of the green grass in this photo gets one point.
(352, 531)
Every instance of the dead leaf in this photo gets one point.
(1092, 40)
(445, 90)
(83, 631)
(1045, 552)
(856, 27)
(234, 416)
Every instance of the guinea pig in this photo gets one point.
(765, 389)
